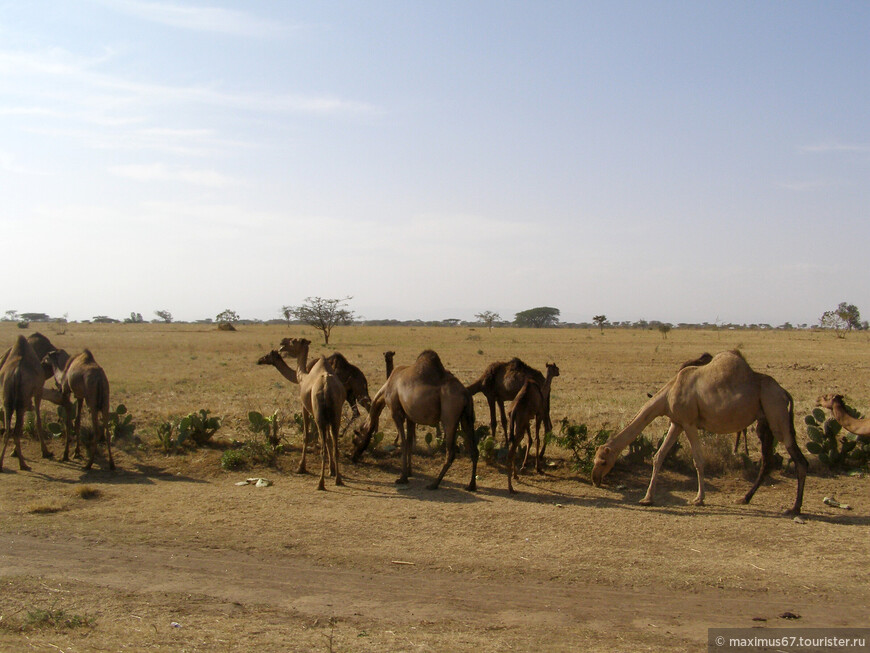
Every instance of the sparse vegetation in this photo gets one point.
(851, 451)
(575, 438)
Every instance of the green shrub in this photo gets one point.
(852, 451)
(268, 427)
(198, 427)
(575, 438)
(234, 459)
(120, 423)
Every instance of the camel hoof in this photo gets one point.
(697, 502)
(401, 481)
(112, 466)
(512, 491)
(338, 481)
(47, 454)
(321, 487)
(432, 486)
(65, 459)
(742, 501)
(646, 502)
(471, 487)
(24, 468)
(301, 470)
(792, 512)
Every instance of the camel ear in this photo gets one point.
(606, 451)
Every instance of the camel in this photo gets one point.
(424, 393)
(529, 403)
(41, 346)
(322, 396)
(500, 382)
(388, 359)
(351, 377)
(83, 377)
(723, 396)
(21, 379)
(834, 403)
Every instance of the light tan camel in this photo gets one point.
(529, 403)
(21, 380)
(83, 377)
(424, 393)
(322, 396)
(500, 382)
(724, 396)
(388, 359)
(834, 403)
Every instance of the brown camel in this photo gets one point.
(529, 403)
(834, 403)
(424, 393)
(500, 382)
(388, 359)
(41, 346)
(351, 377)
(322, 396)
(540, 416)
(21, 379)
(83, 377)
(724, 396)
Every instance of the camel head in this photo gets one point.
(54, 363)
(293, 346)
(552, 369)
(605, 459)
(828, 400)
(269, 359)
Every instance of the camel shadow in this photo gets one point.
(140, 474)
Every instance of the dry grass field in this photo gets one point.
(168, 554)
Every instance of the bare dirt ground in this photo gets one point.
(172, 555)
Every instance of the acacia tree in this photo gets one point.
(322, 314)
(543, 316)
(166, 316)
(227, 317)
(843, 318)
(488, 318)
(600, 320)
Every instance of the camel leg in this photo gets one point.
(543, 450)
(471, 441)
(765, 435)
(37, 402)
(800, 468)
(493, 424)
(659, 460)
(8, 428)
(306, 425)
(539, 452)
(411, 430)
(450, 444)
(92, 454)
(736, 442)
(324, 456)
(103, 415)
(67, 426)
(504, 421)
(399, 420)
(698, 458)
(19, 425)
(510, 463)
(334, 443)
(78, 427)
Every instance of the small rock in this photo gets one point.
(559, 505)
(620, 487)
(175, 624)
(789, 615)
(759, 618)
(800, 520)
(242, 483)
(263, 482)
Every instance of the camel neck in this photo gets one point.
(655, 407)
(286, 371)
(851, 424)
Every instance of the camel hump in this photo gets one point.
(86, 356)
(41, 345)
(702, 360)
(429, 366)
(338, 361)
(21, 345)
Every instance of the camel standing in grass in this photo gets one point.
(322, 396)
(529, 403)
(41, 346)
(500, 382)
(723, 396)
(83, 377)
(424, 393)
(835, 404)
(21, 381)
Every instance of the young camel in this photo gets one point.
(424, 393)
(529, 403)
(724, 396)
(322, 396)
(500, 382)
(834, 403)
(21, 380)
(83, 377)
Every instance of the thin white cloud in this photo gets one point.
(199, 19)
(159, 172)
(8, 163)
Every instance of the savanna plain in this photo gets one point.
(167, 553)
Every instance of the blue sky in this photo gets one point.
(675, 161)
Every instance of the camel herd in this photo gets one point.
(719, 394)
(24, 369)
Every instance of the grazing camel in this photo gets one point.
(388, 359)
(835, 404)
(500, 382)
(41, 346)
(424, 393)
(21, 380)
(724, 396)
(322, 396)
(83, 377)
(529, 403)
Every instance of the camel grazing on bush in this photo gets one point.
(21, 381)
(322, 396)
(500, 382)
(529, 403)
(835, 404)
(83, 377)
(424, 393)
(723, 396)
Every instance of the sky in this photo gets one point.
(673, 161)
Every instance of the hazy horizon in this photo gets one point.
(675, 161)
